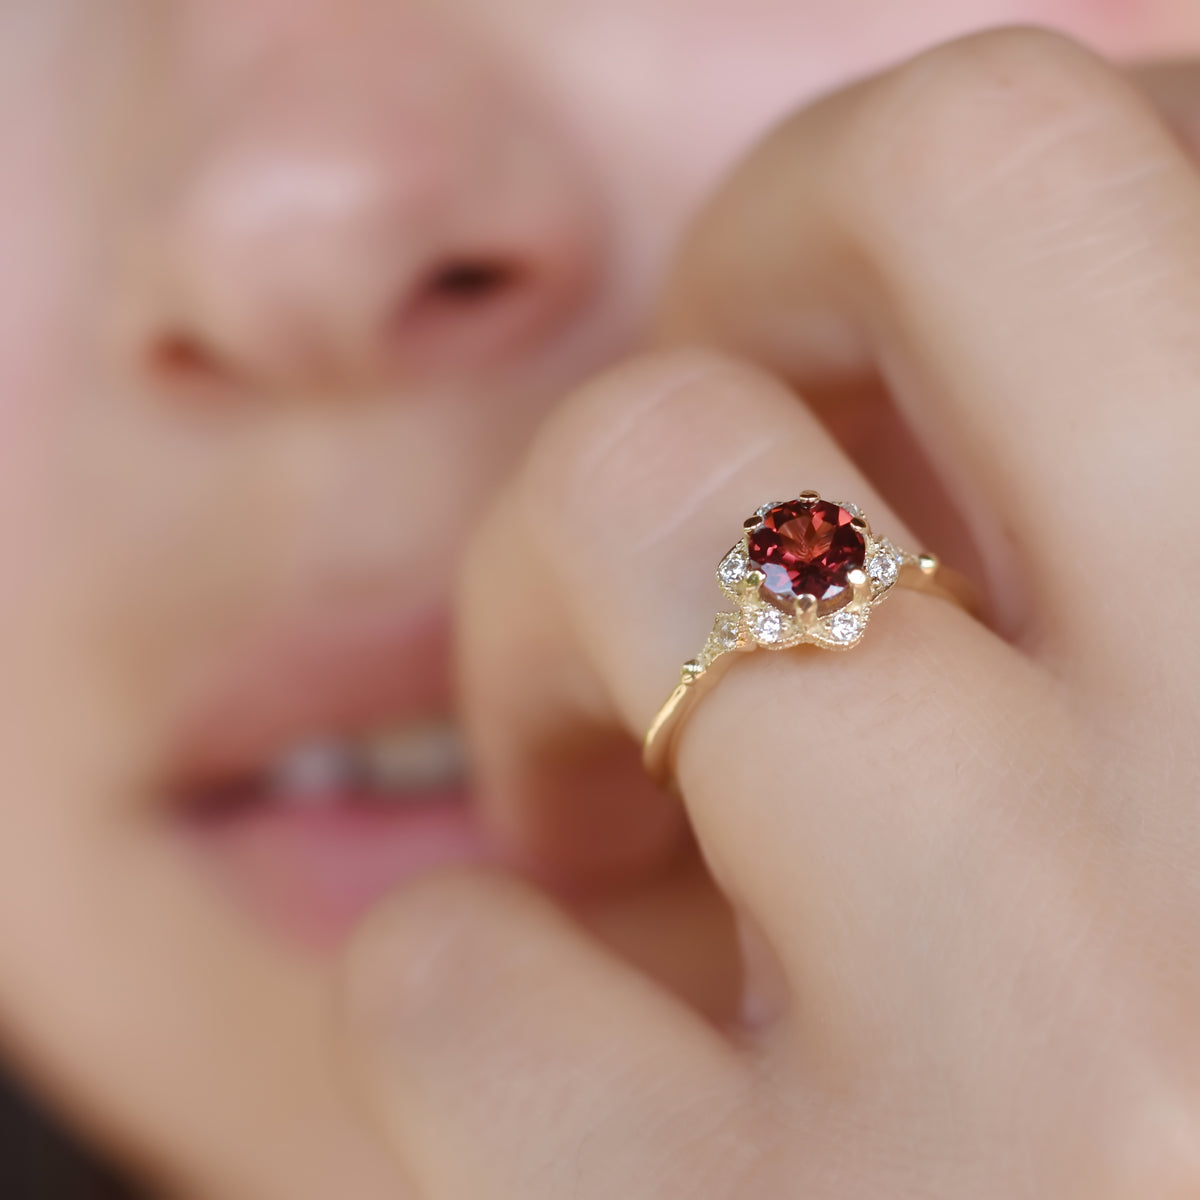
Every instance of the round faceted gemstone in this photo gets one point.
(807, 549)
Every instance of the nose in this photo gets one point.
(339, 201)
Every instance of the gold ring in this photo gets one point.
(805, 572)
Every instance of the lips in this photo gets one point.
(320, 768)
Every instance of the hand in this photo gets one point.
(962, 858)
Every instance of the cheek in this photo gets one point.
(64, 465)
(52, 90)
(41, 342)
(39, 236)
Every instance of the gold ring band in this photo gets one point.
(806, 572)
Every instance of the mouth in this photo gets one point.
(332, 799)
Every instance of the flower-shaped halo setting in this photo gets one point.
(805, 571)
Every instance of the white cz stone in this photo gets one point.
(852, 509)
(725, 631)
(846, 626)
(723, 638)
(734, 567)
(884, 567)
(766, 625)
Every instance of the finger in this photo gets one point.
(609, 539)
(504, 1055)
(588, 817)
(1007, 233)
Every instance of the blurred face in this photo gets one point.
(286, 284)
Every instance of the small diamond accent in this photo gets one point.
(725, 636)
(733, 567)
(884, 567)
(725, 631)
(852, 509)
(845, 626)
(766, 625)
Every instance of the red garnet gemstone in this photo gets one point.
(807, 548)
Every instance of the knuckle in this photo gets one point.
(417, 948)
(966, 114)
(619, 448)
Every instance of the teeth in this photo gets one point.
(313, 770)
(415, 757)
(387, 762)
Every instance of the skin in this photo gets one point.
(960, 862)
(232, 404)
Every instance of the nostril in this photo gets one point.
(470, 281)
(463, 309)
(177, 355)
(180, 363)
